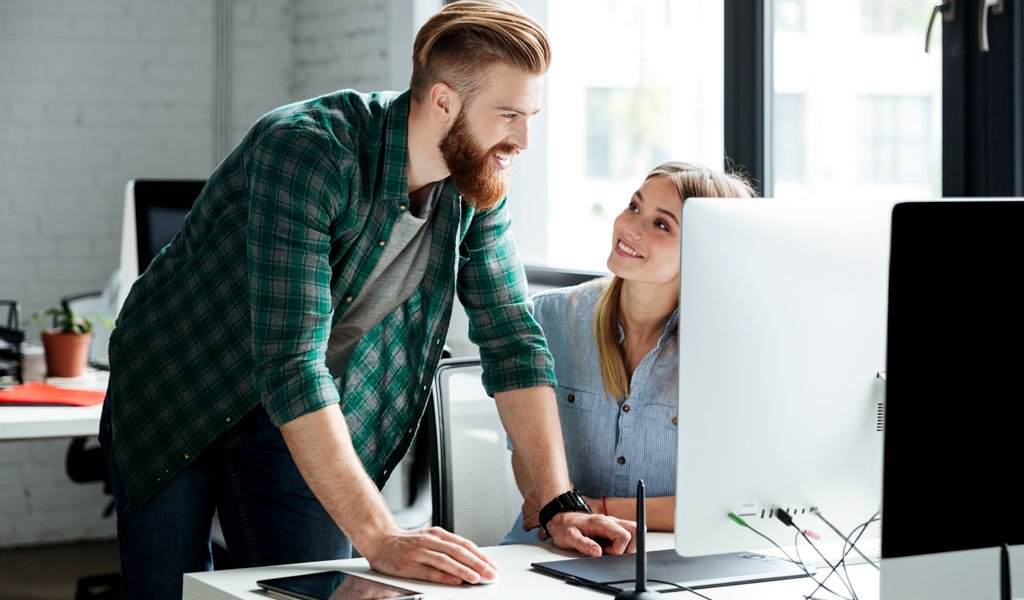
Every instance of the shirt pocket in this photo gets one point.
(588, 430)
(573, 399)
(659, 421)
(661, 415)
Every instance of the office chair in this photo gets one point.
(475, 493)
(94, 306)
(11, 336)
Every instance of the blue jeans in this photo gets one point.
(268, 513)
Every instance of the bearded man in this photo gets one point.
(273, 361)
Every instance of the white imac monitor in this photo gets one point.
(955, 411)
(782, 357)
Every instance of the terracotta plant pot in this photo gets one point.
(66, 353)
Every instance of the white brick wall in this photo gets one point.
(95, 93)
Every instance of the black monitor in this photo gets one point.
(955, 392)
(160, 209)
(154, 210)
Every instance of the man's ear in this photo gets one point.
(444, 102)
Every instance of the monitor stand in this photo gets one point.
(953, 575)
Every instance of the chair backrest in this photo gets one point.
(475, 495)
(95, 306)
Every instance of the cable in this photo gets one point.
(846, 550)
(846, 538)
(787, 520)
(847, 542)
(853, 543)
(678, 586)
(739, 521)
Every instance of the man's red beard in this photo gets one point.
(481, 183)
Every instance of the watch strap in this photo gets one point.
(571, 501)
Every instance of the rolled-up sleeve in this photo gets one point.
(294, 183)
(492, 288)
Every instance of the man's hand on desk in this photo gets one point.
(578, 531)
(588, 534)
(433, 555)
(579, 539)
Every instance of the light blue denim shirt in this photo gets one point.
(609, 444)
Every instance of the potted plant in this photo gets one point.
(66, 344)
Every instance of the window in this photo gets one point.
(895, 135)
(633, 83)
(790, 139)
(856, 103)
(888, 17)
(789, 15)
(624, 129)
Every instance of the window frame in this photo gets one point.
(982, 99)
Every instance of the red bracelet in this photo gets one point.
(604, 501)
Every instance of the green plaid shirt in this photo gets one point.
(238, 308)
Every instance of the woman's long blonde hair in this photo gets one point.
(691, 180)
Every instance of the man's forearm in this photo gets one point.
(322, 448)
(530, 417)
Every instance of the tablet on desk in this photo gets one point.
(666, 570)
(332, 585)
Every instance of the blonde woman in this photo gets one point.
(615, 348)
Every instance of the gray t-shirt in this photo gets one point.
(397, 275)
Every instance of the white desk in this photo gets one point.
(38, 422)
(517, 579)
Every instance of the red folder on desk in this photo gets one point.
(35, 393)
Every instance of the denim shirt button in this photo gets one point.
(625, 408)
(675, 420)
(571, 398)
(621, 460)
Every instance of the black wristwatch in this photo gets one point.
(571, 501)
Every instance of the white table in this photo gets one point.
(517, 579)
(39, 422)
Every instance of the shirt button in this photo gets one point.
(349, 298)
(571, 398)
(403, 206)
(381, 243)
(675, 420)
(186, 456)
(424, 388)
(227, 419)
(621, 460)
(625, 408)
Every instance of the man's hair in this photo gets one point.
(464, 39)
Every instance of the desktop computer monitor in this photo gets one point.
(782, 314)
(154, 210)
(955, 409)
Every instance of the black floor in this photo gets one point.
(51, 572)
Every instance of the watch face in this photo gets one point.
(575, 501)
